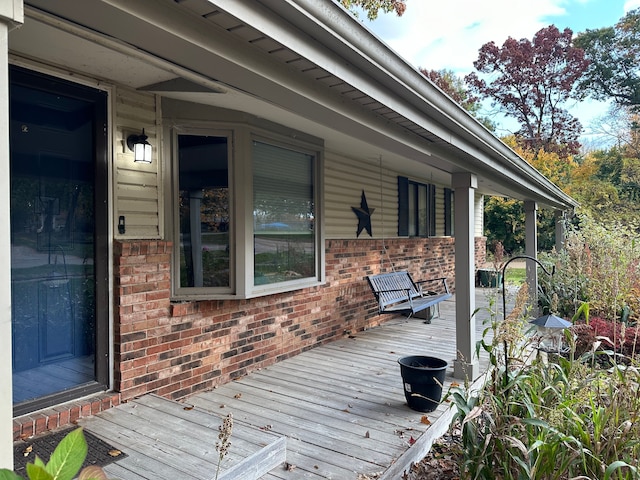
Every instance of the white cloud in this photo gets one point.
(448, 34)
(631, 4)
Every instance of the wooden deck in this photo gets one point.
(339, 408)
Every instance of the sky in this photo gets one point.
(438, 34)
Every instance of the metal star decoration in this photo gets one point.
(364, 216)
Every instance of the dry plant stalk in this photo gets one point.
(224, 440)
(512, 329)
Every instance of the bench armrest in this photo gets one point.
(429, 280)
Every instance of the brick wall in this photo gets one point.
(480, 251)
(177, 348)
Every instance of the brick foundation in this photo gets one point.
(62, 415)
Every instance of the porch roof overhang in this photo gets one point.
(306, 64)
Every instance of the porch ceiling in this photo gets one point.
(356, 104)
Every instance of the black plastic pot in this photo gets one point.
(423, 378)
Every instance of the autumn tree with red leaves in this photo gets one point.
(531, 81)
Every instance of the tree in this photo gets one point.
(456, 88)
(614, 70)
(621, 127)
(505, 219)
(607, 185)
(531, 80)
(371, 7)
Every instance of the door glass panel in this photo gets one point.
(52, 242)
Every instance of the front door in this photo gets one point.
(58, 234)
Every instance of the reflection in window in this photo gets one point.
(283, 214)
(204, 211)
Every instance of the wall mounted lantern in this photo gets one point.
(140, 147)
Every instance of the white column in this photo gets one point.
(466, 365)
(531, 249)
(11, 12)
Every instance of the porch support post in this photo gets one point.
(11, 13)
(559, 217)
(531, 248)
(466, 365)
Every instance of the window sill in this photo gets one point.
(257, 292)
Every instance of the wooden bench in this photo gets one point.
(397, 292)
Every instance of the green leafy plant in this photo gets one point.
(64, 464)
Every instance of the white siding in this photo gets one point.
(137, 187)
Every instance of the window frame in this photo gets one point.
(241, 235)
(405, 222)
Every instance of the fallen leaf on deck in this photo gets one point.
(266, 427)
(425, 420)
(115, 453)
(189, 407)
(289, 467)
(455, 384)
(412, 441)
(27, 450)
(366, 435)
(237, 395)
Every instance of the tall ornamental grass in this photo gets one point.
(547, 417)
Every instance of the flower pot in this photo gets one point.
(423, 378)
(489, 278)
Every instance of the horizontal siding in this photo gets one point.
(345, 180)
(137, 187)
(479, 224)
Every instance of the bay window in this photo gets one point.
(245, 215)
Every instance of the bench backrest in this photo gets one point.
(392, 287)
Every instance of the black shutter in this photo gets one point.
(403, 207)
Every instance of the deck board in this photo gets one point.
(341, 407)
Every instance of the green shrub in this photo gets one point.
(599, 265)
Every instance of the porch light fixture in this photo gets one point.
(140, 147)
